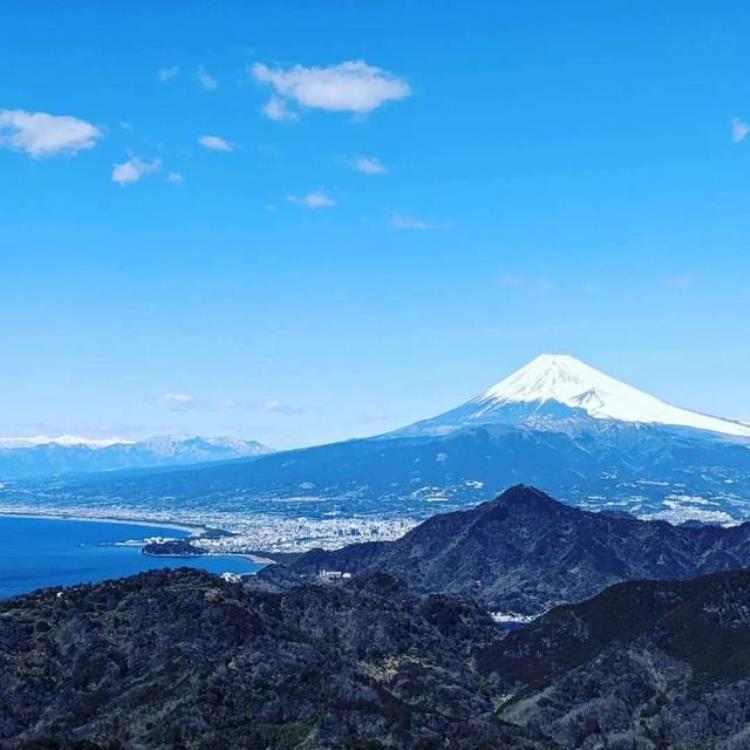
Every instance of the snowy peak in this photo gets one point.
(30, 457)
(568, 381)
(554, 377)
(552, 385)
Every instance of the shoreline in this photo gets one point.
(193, 530)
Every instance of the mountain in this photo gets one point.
(558, 424)
(554, 388)
(645, 664)
(182, 659)
(45, 456)
(524, 553)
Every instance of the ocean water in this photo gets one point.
(40, 552)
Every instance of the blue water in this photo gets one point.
(39, 552)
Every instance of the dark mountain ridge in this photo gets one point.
(645, 664)
(183, 659)
(525, 552)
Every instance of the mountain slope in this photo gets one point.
(645, 664)
(556, 424)
(182, 659)
(42, 456)
(644, 470)
(524, 553)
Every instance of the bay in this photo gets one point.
(43, 552)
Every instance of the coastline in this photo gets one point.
(194, 530)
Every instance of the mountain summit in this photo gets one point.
(558, 386)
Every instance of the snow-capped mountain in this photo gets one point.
(556, 424)
(557, 387)
(62, 440)
(40, 455)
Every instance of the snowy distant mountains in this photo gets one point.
(556, 423)
(42, 456)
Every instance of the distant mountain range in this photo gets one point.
(43, 456)
(524, 553)
(556, 423)
(183, 659)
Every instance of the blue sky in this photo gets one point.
(393, 209)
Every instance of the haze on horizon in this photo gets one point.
(232, 223)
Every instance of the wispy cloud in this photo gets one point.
(175, 178)
(510, 280)
(168, 74)
(207, 81)
(133, 170)
(274, 406)
(368, 165)
(177, 401)
(316, 199)
(533, 285)
(216, 143)
(399, 221)
(276, 109)
(740, 130)
(39, 134)
(681, 281)
(352, 86)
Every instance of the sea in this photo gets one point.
(42, 552)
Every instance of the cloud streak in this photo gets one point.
(316, 199)
(399, 221)
(39, 134)
(740, 130)
(216, 143)
(368, 165)
(276, 109)
(133, 170)
(177, 401)
(168, 73)
(274, 406)
(208, 82)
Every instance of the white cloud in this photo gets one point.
(277, 110)
(133, 169)
(40, 134)
(274, 406)
(208, 82)
(168, 74)
(352, 86)
(398, 221)
(175, 178)
(369, 165)
(177, 401)
(216, 143)
(316, 199)
(740, 130)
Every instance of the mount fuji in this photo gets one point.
(554, 388)
(557, 424)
